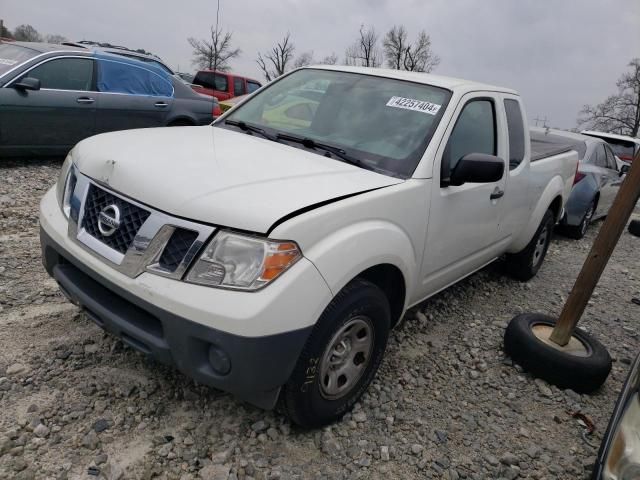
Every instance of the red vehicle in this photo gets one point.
(223, 85)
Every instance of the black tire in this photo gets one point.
(303, 399)
(583, 374)
(634, 227)
(579, 231)
(525, 264)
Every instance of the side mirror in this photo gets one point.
(477, 168)
(624, 169)
(28, 83)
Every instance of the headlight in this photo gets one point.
(66, 184)
(622, 461)
(242, 262)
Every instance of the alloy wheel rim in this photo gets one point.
(346, 358)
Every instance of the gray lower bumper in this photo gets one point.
(259, 365)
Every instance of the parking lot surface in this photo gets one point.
(447, 403)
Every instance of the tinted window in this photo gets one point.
(611, 161)
(120, 77)
(252, 86)
(474, 133)
(516, 132)
(13, 55)
(238, 86)
(64, 74)
(600, 157)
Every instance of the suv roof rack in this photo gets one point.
(85, 43)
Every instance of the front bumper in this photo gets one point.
(179, 323)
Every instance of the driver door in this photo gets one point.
(55, 117)
(463, 227)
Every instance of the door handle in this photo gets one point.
(160, 104)
(497, 193)
(85, 100)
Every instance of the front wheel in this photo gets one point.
(340, 358)
(524, 265)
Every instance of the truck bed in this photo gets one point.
(541, 149)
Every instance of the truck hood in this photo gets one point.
(219, 176)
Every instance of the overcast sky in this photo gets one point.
(558, 54)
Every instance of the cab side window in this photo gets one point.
(252, 86)
(238, 86)
(516, 132)
(474, 132)
(64, 74)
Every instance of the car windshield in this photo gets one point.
(12, 55)
(379, 123)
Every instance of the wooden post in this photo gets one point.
(599, 255)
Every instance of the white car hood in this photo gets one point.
(219, 176)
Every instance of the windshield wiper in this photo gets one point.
(312, 144)
(247, 127)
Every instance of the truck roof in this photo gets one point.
(449, 83)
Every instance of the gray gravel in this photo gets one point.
(77, 403)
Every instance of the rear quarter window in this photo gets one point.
(515, 126)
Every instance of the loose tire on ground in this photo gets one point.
(524, 265)
(311, 398)
(634, 227)
(583, 374)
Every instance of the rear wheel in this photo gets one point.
(525, 264)
(340, 358)
(579, 231)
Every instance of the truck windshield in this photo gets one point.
(13, 55)
(382, 124)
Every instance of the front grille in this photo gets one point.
(131, 218)
(177, 247)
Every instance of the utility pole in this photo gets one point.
(1, 29)
(543, 120)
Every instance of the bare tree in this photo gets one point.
(26, 33)
(54, 38)
(395, 45)
(329, 60)
(276, 61)
(402, 55)
(304, 59)
(364, 51)
(619, 113)
(214, 53)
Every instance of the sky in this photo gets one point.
(559, 54)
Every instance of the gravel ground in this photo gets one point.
(76, 403)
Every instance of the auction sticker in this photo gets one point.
(415, 105)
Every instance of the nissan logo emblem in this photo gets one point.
(109, 220)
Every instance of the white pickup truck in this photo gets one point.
(269, 254)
